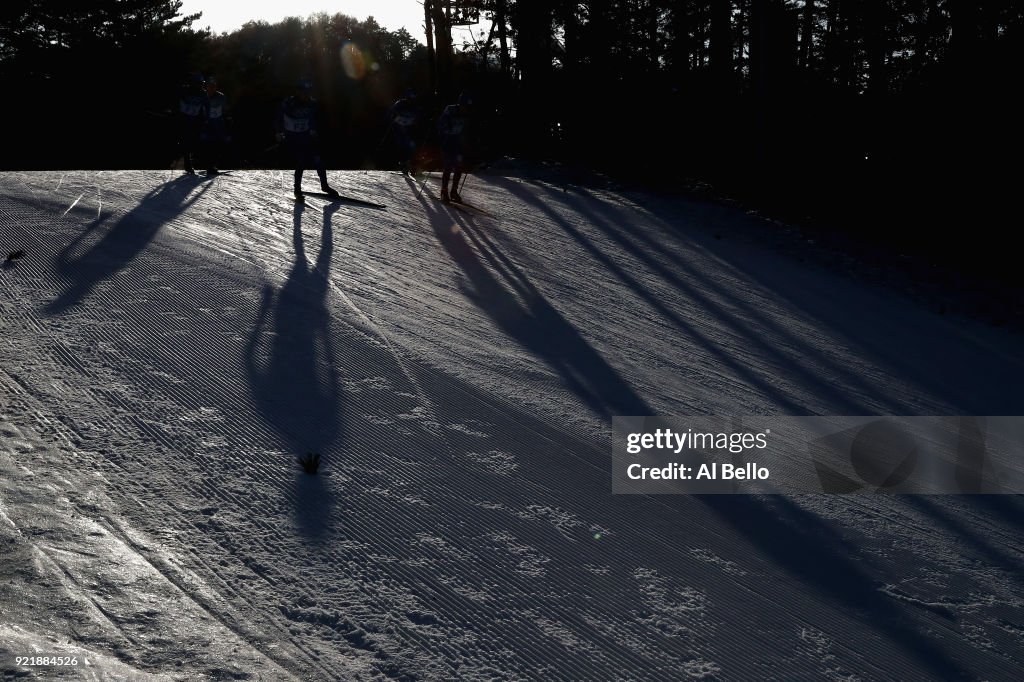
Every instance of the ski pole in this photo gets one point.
(385, 136)
(466, 175)
(376, 150)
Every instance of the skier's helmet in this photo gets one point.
(197, 79)
(211, 80)
(304, 84)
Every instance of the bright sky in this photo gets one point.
(227, 15)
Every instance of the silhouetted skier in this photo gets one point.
(451, 129)
(215, 130)
(192, 112)
(404, 116)
(298, 126)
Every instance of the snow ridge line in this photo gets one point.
(73, 204)
(179, 577)
(59, 430)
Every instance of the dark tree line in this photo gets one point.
(99, 83)
(896, 118)
(879, 113)
(358, 68)
(80, 81)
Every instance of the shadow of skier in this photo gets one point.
(120, 245)
(808, 548)
(520, 310)
(729, 307)
(290, 364)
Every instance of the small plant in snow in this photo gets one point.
(310, 463)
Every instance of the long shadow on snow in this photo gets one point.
(982, 546)
(796, 540)
(525, 315)
(610, 222)
(121, 244)
(762, 383)
(964, 372)
(812, 550)
(895, 354)
(290, 363)
(1009, 508)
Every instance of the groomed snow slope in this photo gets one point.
(171, 344)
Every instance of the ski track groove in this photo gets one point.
(739, 315)
(265, 466)
(115, 422)
(153, 433)
(216, 611)
(156, 435)
(197, 559)
(56, 430)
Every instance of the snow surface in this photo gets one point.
(171, 344)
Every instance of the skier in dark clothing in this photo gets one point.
(451, 129)
(215, 131)
(404, 116)
(298, 126)
(193, 107)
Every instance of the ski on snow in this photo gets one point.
(463, 206)
(344, 199)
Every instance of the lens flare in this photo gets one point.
(352, 61)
